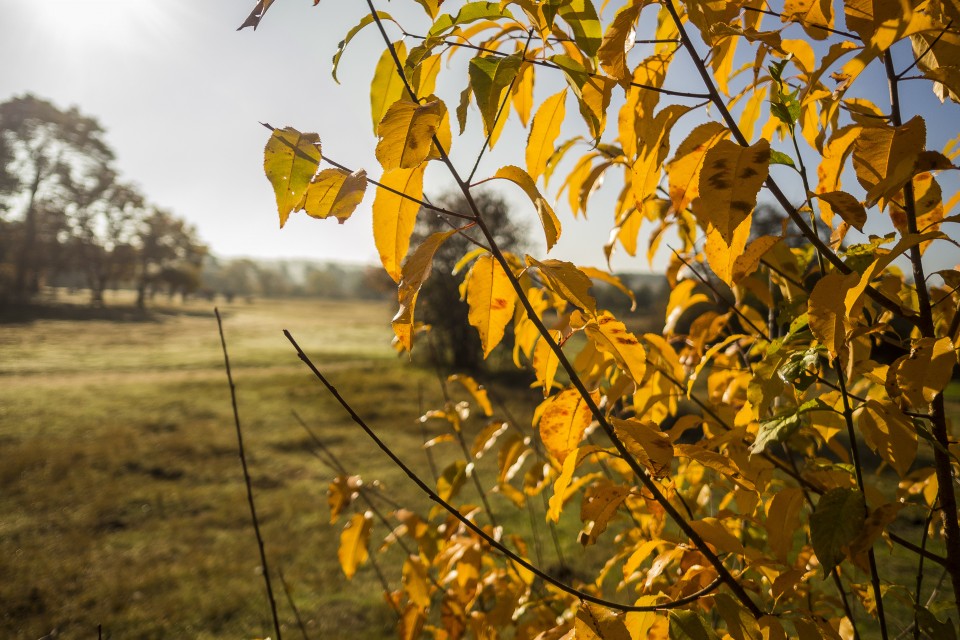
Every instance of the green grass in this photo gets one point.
(123, 498)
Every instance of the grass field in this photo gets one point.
(122, 493)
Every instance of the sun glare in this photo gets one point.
(124, 24)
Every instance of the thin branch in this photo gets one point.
(246, 478)
(470, 524)
(858, 468)
(550, 65)
(814, 25)
(293, 605)
(916, 59)
(648, 483)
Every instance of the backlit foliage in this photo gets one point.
(717, 463)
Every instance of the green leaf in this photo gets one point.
(834, 524)
(582, 17)
(364, 21)
(779, 428)
(688, 625)
(778, 157)
(290, 160)
(490, 77)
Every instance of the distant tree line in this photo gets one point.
(66, 216)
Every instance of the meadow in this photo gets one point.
(122, 493)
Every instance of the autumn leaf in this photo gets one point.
(889, 433)
(564, 279)
(927, 370)
(846, 206)
(253, 20)
(354, 541)
(647, 443)
(885, 157)
(416, 269)
(395, 216)
(619, 39)
(548, 219)
(290, 160)
(406, 133)
(335, 192)
(683, 171)
(544, 132)
(811, 14)
(341, 47)
(599, 505)
(730, 180)
(827, 311)
(611, 336)
(582, 17)
(594, 622)
(387, 86)
(565, 418)
(491, 299)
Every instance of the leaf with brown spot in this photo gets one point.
(491, 299)
(730, 180)
(291, 160)
(610, 336)
(646, 442)
(565, 418)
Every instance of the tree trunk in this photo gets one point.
(25, 260)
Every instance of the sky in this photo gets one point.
(182, 94)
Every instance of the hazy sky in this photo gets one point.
(181, 93)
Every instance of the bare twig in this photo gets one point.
(293, 605)
(246, 479)
(471, 525)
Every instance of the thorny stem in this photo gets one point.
(246, 478)
(941, 457)
(474, 527)
(723, 573)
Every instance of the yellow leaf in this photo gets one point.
(752, 110)
(410, 624)
(354, 541)
(598, 623)
(652, 148)
(716, 461)
(491, 298)
(647, 443)
(927, 370)
(415, 581)
(831, 166)
(729, 183)
(394, 216)
(544, 132)
(549, 220)
(889, 433)
(884, 158)
(611, 336)
(581, 15)
(783, 520)
(641, 100)
(387, 86)
(612, 280)
(406, 133)
(848, 207)
(594, 99)
(721, 62)
(565, 417)
(683, 172)
(545, 363)
(722, 256)
(619, 39)
(522, 94)
(826, 309)
(334, 192)
(290, 161)
(487, 437)
(748, 261)
(714, 533)
(416, 269)
(564, 279)
(476, 390)
(599, 504)
(810, 13)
